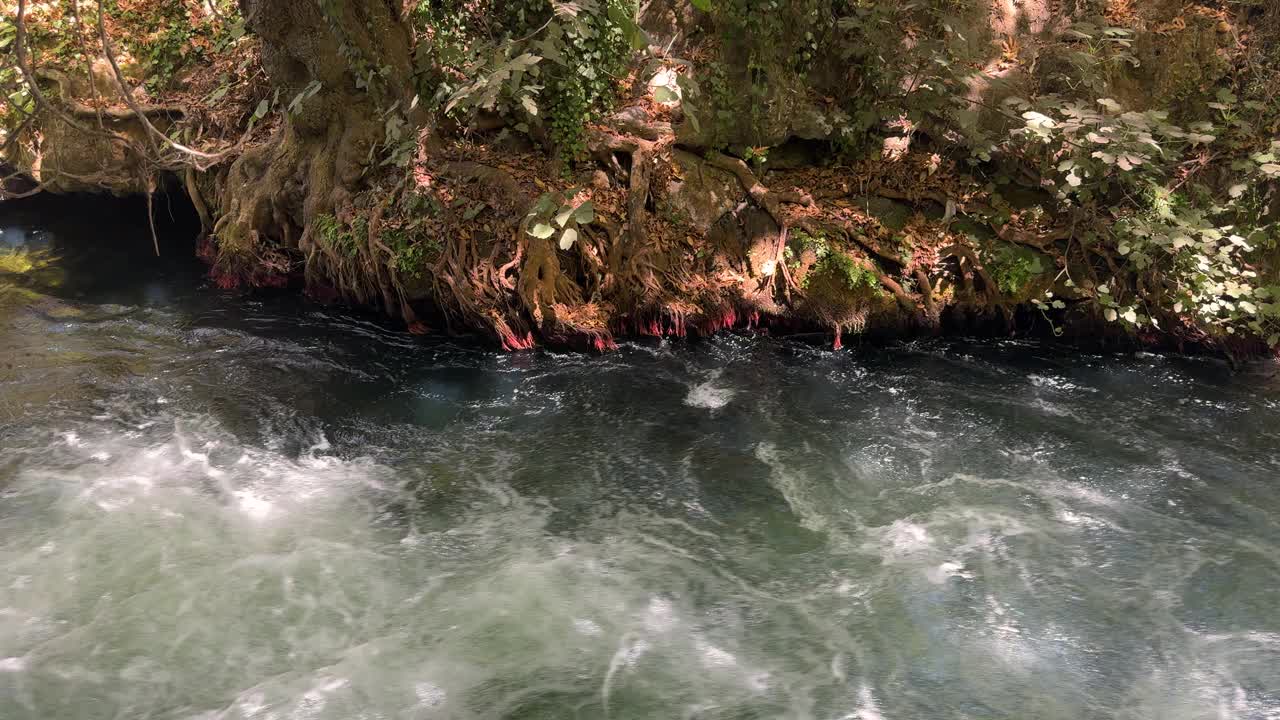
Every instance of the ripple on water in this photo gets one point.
(938, 533)
(710, 394)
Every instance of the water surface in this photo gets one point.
(218, 506)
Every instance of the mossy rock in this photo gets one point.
(840, 290)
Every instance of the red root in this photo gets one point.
(603, 342)
(726, 320)
(512, 343)
(678, 326)
(672, 322)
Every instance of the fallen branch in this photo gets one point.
(80, 109)
(641, 152)
(989, 285)
(926, 292)
(898, 292)
(768, 201)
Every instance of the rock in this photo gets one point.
(811, 123)
(761, 242)
(635, 119)
(703, 194)
(893, 214)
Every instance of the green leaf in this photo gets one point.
(703, 5)
(635, 36)
(664, 94)
(691, 114)
(542, 231)
(545, 204)
(569, 237)
(585, 214)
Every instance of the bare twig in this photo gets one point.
(151, 218)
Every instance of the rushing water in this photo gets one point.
(214, 506)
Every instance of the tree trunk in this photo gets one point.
(360, 53)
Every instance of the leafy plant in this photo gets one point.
(555, 212)
(1194, 244)
(843, 267)
(340, 238)
(410, 254)
(832, 264)
(1013, 267)
(553, 71)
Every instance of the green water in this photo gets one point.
(218, 506)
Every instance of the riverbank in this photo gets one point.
(609, 173)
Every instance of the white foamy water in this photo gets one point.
(710, 394)
(220, 508)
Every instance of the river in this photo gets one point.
(218, 506)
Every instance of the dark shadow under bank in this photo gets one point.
(103, 242)
(106, 253)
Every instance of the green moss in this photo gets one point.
(339, 238)
(13, 298)
(411, 254)
(17, 262)
(816, 243)
(844, 273)
(1013, 267)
